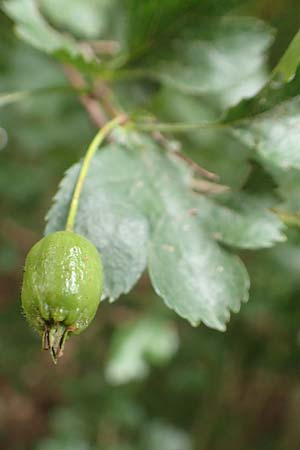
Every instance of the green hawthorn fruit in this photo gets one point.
(62, 287)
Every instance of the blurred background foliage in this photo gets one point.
(139, 377)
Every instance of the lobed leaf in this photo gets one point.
(120, 233)
(268, 122)
(206, 61)
(275, 135)
(275, 92)
(104, 216)
(131, 188)
(195, 277)
(242, 221)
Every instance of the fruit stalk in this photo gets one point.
(98, 139)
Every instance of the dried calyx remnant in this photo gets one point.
(54, 338)
(62, 287)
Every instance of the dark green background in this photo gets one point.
(239, 390)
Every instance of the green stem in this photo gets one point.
(289, 61)
(6, 98)
(287, 218)
(96, 142)
(179, 127)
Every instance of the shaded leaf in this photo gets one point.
(206, 61)
(289, 185)
(241, 221)
(135, 344)
(149, 30)
(207, 147)
(268, 122)
(275, 135)
(270, 96)
(164, 436)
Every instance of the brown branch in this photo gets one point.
(91, 104)
(99, 111)
(196, 168)
(207, 187)
(159, 137)
(104, 95)
(166, 143)
(100, 47)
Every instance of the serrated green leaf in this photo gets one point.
(195, 277)
(288, 185)
(135, 344)
(120, 233)
(150, 184)
(120, 190)
(241, 221)
(275, 135)
(270, 96)
(206, 61)
(268, 123)
(117, 229)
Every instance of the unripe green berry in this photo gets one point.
(62, 287)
